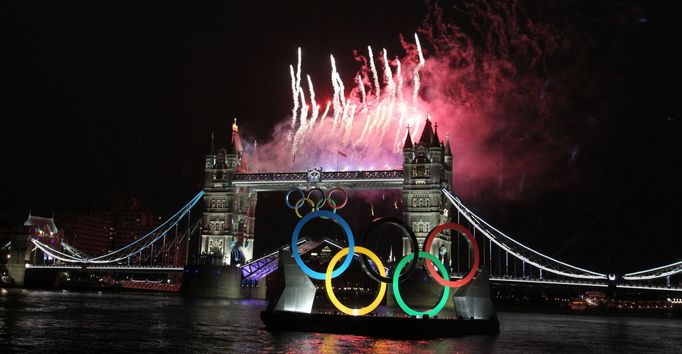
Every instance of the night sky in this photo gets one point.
(119, 99)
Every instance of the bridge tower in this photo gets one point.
(427, 167)
(229, 216)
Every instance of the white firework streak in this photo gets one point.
(377, 112)
(416, 72)
(399, 74)
(342, 90)
(324, 114)
(377, 90)
(361, 86)
(335, 99)
(298, 69)
(364, 130)
(313, 103)
(295, 96)
(304, 124)
(397, 141)
(388, 76)
(387, 120)
(349, 122)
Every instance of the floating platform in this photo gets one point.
(378, 326)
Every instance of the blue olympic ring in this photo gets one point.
(346, 228)
(286, 198)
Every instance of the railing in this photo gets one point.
(303, 176)
(254, 177)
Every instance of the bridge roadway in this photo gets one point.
(108, 268)
(275, 181)
(493, 279)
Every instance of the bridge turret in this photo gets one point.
(229, 217)
(210, 161)
(424, 174)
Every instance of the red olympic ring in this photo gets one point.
(472, 243)
(337, 206)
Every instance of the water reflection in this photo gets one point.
(119, 322)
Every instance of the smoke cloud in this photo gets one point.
(482, 76)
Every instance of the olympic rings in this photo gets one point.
(294, 243)
(396, 290)
(407, 231)
(330, 291)
(314, 206)
(345, 197)
(376, 270)
(286, 199)
(472, 243)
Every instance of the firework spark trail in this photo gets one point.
(377, 90)
(377, 116)
(388, 76)
(399, 74)
(390, 87)
(313, 103)
(397, 141)
(380, 113)
(416, 72)
(336, 106)
(364, 130)
(324, 114)
(363, 95)
(295, 97)
(349, 123)
(303, 123)
(342, 90)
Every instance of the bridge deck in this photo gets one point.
(108, 268)
(386, 179)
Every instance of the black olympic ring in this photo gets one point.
(310, 193)
(406, 231)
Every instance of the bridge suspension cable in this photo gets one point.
(132, 249)
(654, 273)
(517, 249)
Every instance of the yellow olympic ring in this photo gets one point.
(300, 203)
(330, 292)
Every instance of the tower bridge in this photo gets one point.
(233, 180)
(226, 227)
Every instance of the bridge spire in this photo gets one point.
(212, 146)
(408, 140)
(436, 140)
(448, 152)
(255, 162)
(427, 134)
(236, 142)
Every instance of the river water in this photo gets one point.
(48, 321)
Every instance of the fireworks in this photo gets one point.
(365, 122)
